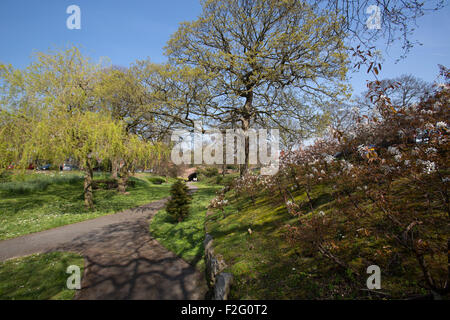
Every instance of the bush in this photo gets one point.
(208, 172)
(178, 205)
(219, 180)
(172, 172)
(5, 176)
(228, 179)
(106, 184)
(156, 180)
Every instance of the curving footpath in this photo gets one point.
(122, 259)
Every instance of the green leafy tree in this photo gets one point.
(133, 153)
(264, 61)
(120, 93)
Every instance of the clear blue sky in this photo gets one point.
(136, 29)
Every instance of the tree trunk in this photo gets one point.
(122, 183)
(123, 179)
(114, 168)
(88, 179)
(223, 169)
(245, 126)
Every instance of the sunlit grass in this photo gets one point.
(38, 277)
(186, 238)
(61, 203)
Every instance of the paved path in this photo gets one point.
(122, 260)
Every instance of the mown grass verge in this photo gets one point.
(38, 277)
(60, 202)
(185, 239)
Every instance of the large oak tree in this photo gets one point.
(263, 61)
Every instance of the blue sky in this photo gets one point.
(136, 29)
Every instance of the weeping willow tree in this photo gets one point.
(52, 111)
(87, 138)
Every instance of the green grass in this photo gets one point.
(38, 277)
(61, 202)
(261, 262)
(26, 184)
(186, 238)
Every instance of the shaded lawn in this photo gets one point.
(266, 266)
(38, 277)
(186, 238)
(63, 203)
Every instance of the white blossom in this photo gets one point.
(441, 125)
(428, 166)
(393, 150)
(329, 158)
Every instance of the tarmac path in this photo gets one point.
(122, 259)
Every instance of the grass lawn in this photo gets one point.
(186, 238)
(38, 277)
(261, 262)
(42, 201)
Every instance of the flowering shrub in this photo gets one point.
(219, 201)
(388, 178)
(247, 186)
